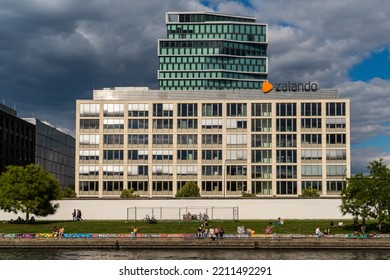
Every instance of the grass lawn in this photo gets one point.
(110, 226)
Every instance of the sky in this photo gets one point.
(53, 52)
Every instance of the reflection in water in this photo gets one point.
(193, 254)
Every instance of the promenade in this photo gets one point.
(171, 241)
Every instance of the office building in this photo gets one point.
(228, 142)
(17, 139)
(54, 151)
(210, 51)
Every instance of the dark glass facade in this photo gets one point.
(17, 139)
(207, 51)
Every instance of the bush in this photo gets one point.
(128, 193)
(190, 189)
(68, 192)
(310, 192)
(246, 194)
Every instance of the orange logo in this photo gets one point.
(267, 87)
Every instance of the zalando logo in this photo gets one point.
(290, 87)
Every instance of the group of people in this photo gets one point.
(58, 232)
(205, 231)
(76, 215)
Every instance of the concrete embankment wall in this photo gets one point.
(180, 243)
(116, 209)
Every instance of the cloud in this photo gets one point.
(361, 157)
(53, 52)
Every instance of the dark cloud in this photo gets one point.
(53, 52)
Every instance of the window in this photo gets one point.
(187, 110)
(88, 186)
(264, 156)
(261, 140)
(286, 172)
(262, 187)
(335, 123)
(162, 154)
(115, 186)
(312, 154)
(286, 109)
(211, 186)
(162, 169)
(335, 139)
(261, 109)
(212, 139)
(89, 139)
(89, 124)
(311, 109)
(335, 109)
(236, 186)
(112, 155)
(162, 139)
(236, 123)
(311, 170)
(211, 154)
(236, 109)
(286, 125)
(88, 170)
(236, 139)
(138, 124)
(286, 156)
(336, 170)
(212, 110)
(187, 155)
(333, 154)
(162, 110)
(211, 123)
(113, 110)
(317, 185)
(259, 125)
(236, 154)
(311, 139)
(334, 186)
(138, 110)
(113, 139)
(163, 187)
(138, 139)
(261, 171)
(187, 123)
(234, 170)
(162, 123)
(187, 170)
(89, 155)
(138, 186)
(286, 187)
(113, 170)
(211, 170)
(286, 140)
(187, 139)
(113, 124)
(310, 123)
(89, 110)
(137, 170)
(137, 154)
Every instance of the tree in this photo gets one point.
(28, 189)
(190, 189)
(310, 192)
(368, 196)
(68, 192)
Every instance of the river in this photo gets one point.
(193, 254)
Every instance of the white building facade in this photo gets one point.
(228, 142)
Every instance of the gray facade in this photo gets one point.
(54, 151)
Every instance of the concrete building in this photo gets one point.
(210, 51)
(17, 139)
(229, 142)
(54, 151)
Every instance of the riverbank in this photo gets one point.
(189, 242)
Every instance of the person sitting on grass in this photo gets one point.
(327, 231)
(319, 234)
(268, 230)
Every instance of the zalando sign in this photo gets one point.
(290, 87)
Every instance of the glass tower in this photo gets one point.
(209, 51)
